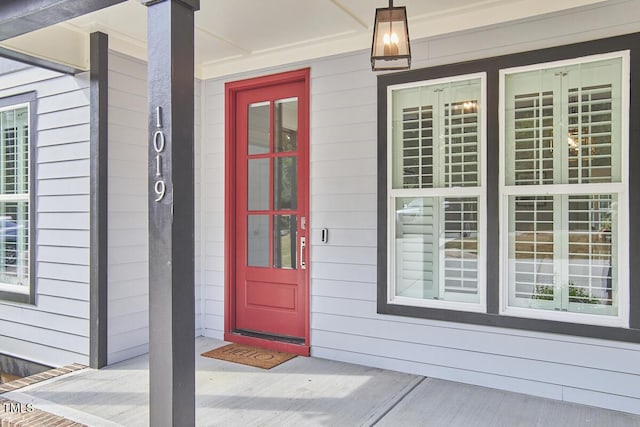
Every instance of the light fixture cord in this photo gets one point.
(390, 20)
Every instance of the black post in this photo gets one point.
(171, 212)
(99, 88)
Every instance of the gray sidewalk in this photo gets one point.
(303, 392)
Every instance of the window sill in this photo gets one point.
(564, 316)
(438, 304)
(16, 294)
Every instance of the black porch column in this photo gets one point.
(99, 248)
(171, 212)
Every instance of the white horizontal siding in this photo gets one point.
(57, 254)
(9, 66)
(64, 289)
(128, 236)
(28, 348)
(199, 249)
(64, 238)
(55, 331)
(61, 153)
(63, 187)
(603, 19)
(345, 325)
(61, 170)
(128, 301)
(71, 100)
(211, 229)
(344, 322)
(58, 136)
(63, 203)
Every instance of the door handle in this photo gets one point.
(303, 245)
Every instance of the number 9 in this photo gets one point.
(160, 189)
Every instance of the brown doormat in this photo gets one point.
(252, 356)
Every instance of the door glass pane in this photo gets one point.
(286, 125)
(285, 183)
(258, 241)
(258, 117)
(284, 241)
(258, 184)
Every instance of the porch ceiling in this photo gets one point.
(239, 35)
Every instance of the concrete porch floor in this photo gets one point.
(303, 392)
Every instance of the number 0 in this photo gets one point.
(158, 141)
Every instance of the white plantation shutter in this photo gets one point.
(590, 133)
(562, 132)
(533, 138)
(532, 219)
(591, 245)
(14, 178)
(460, 260)
(415, 217)
(436, 146)
(11, 173)
(417, 248)
(14, 196)
(417, 147)
(461, 144)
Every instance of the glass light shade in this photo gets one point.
(390, 49)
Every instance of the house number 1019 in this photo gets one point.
(160, 187)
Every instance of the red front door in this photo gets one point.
(267, 234)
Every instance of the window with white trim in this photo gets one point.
(436, 196)
(14, 199)
(564, 190)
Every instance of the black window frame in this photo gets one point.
(492, 66)
(31, 99)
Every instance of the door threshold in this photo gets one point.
(270, 337)
(272, 342)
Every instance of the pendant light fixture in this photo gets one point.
(390, 49)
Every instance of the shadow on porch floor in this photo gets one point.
(303, 391)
